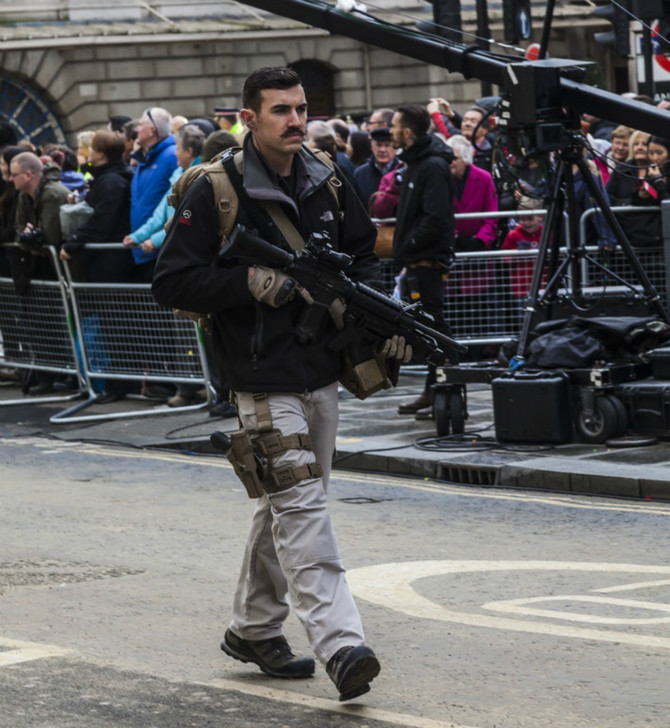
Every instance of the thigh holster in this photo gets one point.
(251, 453)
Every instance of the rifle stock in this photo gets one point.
(370, 315)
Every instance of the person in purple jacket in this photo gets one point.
(472, 287)
(157, 160)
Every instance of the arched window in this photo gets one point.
(317, 79)
(29, 113)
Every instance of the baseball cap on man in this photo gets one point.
(381, 134)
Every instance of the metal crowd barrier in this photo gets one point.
(485, 291)
(98, 332)
(126, 336)
(37, 329)
(653, 260)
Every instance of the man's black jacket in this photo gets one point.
(425, 218)
(255, 343)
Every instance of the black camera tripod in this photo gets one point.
(563, 199)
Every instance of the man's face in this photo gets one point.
(382, 152)
(620, 147)
(397, 131)
(147, 135)
(469, 123)
(375, 122)
(23, 181)
(278, 127)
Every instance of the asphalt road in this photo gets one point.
(488, 608)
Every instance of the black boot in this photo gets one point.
(352, 669)
(273, 656)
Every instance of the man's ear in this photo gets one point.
(248, 117)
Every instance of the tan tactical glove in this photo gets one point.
(270, 286)
(396, 348)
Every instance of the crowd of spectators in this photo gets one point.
(119, 178)
(112, 188)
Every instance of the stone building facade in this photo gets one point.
(71, 64)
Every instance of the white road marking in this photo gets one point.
(631, 587)
(390, 585)
(352, 709)
(27, 651)
(519, 606)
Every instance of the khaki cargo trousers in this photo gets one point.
(291, 553)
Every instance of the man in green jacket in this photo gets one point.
(41, 195)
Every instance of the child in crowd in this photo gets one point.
(525, 236)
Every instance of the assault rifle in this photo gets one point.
(370, 317)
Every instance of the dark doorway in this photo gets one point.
(317, 79)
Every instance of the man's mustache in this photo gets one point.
(291, 131)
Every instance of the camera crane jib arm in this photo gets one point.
(474, 62)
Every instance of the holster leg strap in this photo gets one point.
(285, 478)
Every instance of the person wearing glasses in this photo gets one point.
(37, 225)
(40, 196)
(156, 161)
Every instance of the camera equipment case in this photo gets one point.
(660, 362)
(532, 406)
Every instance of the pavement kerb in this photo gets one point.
(373, 438)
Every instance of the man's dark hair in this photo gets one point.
(415, 117)
(268, 77)
(117, 121)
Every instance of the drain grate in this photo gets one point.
(468, 474)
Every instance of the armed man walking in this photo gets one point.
(285, 390)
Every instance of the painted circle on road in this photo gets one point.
(392, 586)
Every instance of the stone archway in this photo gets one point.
(29, 113)
(317, 79)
